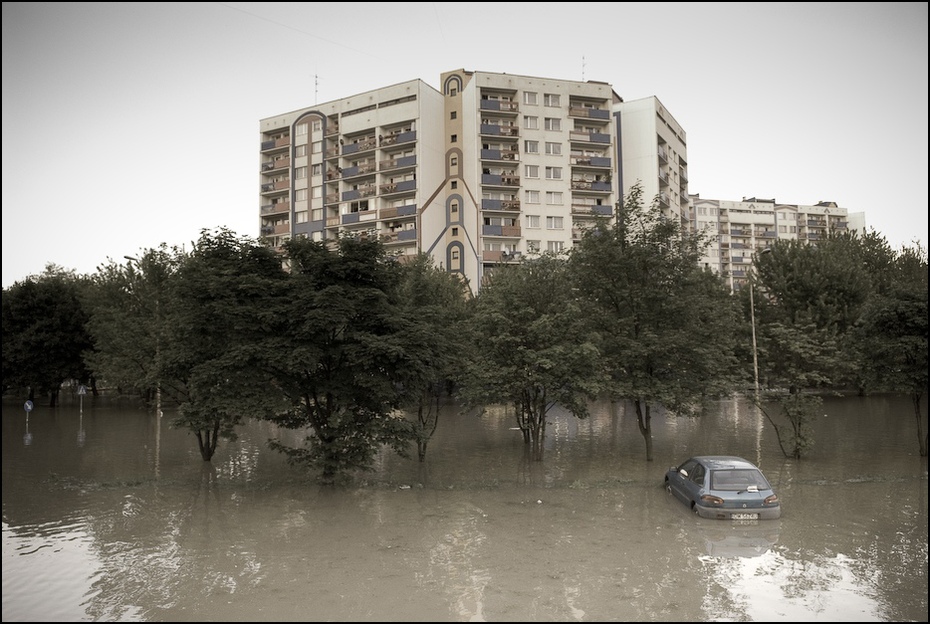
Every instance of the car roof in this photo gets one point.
(721, 462)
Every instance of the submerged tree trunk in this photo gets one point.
(206, 440)
(644, 421)
(921, 435)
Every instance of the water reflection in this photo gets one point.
(133, 526)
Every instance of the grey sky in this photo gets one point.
(128, 125)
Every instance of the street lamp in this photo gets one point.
(752, 319)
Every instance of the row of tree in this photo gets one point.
(356, 349)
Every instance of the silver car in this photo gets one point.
(724, 488)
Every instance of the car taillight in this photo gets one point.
(711, 500)
(770, 500)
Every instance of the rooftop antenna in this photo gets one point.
(582, 68)
(316, 88)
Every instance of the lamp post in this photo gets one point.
(752, 320)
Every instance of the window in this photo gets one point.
(554, 198)
(301, 216)
(554, 223)
(453, 114)
(455, 184)
(532, 171)
(530, 122)
(453, 91)
(300, 195)
(532, 221)
(554, 149)
(455, 254)
(532, 246)
(552, 99)
(454, 206)
(553, 173)
(455, 231)
(317, 192)
(555, 246)
(553, 123)
(455, 138)
(531, 147)
(317, 125)
(453, 162)
(530, 97)
(316, 147)
(532, 197)
(317, 214)
(302, 129)
(316, 169)
(300, 173)
(300, 150)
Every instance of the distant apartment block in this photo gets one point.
(740, 229)
(494, 167)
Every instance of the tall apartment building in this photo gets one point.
(740, 229)
(654, 153)
(490, 168)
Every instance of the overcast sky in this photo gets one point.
(128, 125)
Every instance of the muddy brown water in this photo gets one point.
(108, 514)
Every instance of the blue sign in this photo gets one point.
(28, 406)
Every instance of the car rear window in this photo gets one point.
(737, 479)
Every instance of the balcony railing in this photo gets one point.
(505, 106)
(589, 137)
(591, 113)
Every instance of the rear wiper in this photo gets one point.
(750, 488)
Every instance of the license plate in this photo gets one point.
(745, 516)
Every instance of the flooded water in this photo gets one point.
(110, 515)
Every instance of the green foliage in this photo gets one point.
(44, 336)
(434, 305)
(535, 345)
(219, 319)
(665, 326)
(125, 303)
(340, 354)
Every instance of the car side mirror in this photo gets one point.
(683, 473)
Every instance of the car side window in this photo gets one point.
(697, 474)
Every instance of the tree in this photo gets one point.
(220, 324)
(809, 297)
(127, 323)
(434, 305)
(339, 355)
(666, 326)
(534, 347)
(892, 335)
(44, 336)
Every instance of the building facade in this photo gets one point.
(495, 167)
(489, 169)
(740, 229)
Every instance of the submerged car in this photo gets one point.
(724, 488)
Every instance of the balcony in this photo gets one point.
(588, 112)
(275, 165)
(359, 193)
(501, 204)
(594, 210)
(591, 161)
(397, 138)
(509, 231)
(503, 106)
(369, 167)
(278, 208)
(362, 145)
(591, 185)
(506, 179)
(361, 216)
(588, 137)
(663, 155)
(403, 186)
(276, 144)
(409, 210)
(497, 154)
(398, 163)
(499, 130)
(399, 236)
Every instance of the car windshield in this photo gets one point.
(737, 479)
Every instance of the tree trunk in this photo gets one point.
(921, 436)
(644, 421)
(206, 440)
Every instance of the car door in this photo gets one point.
(679, 482)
